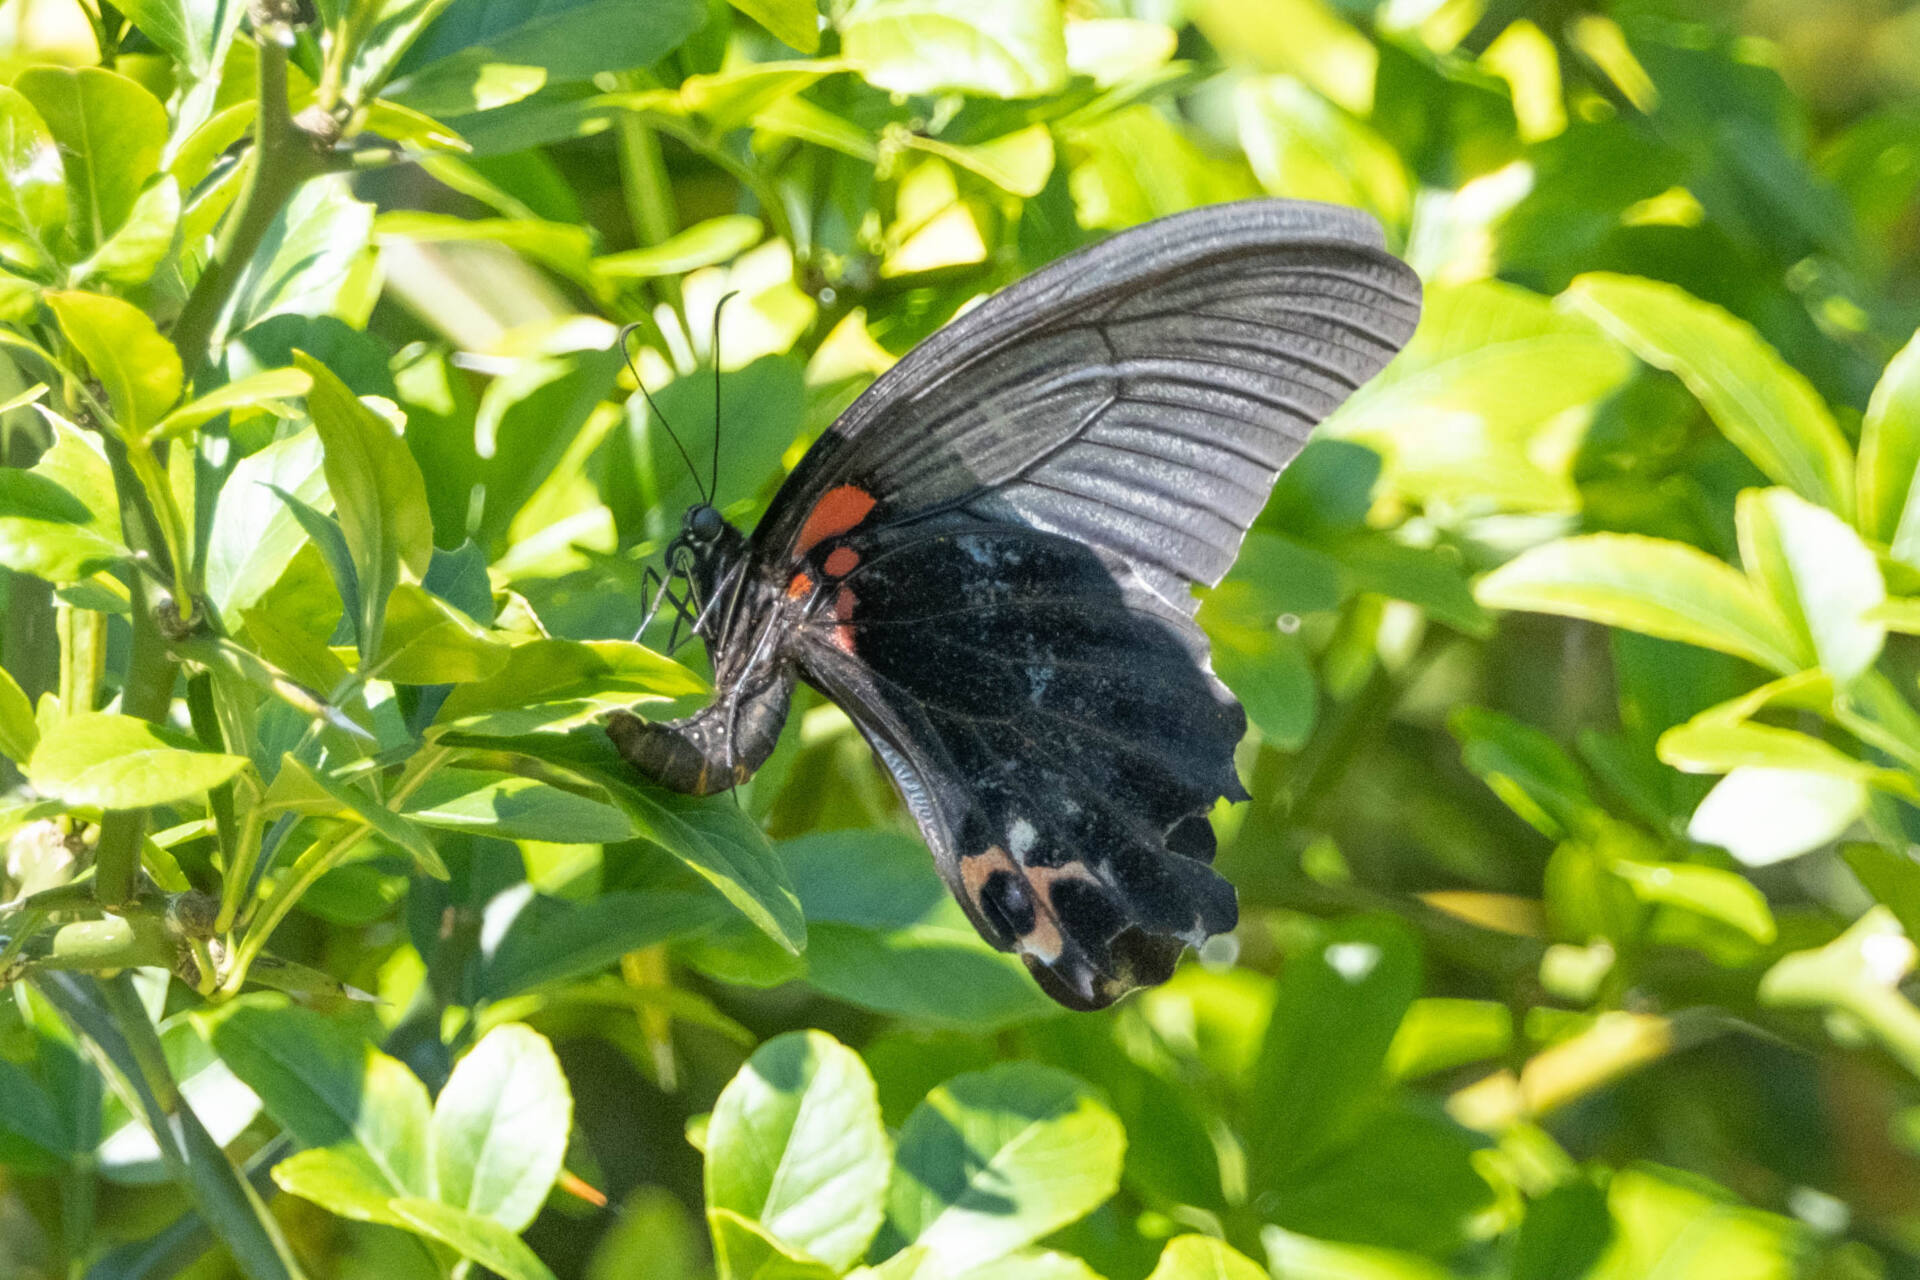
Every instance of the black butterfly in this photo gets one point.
(988, 562)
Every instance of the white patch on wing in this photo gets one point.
(1038, 678)
(1020, 837)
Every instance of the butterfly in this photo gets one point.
(989, 561)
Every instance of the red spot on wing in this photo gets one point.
(843, 605)
(842, 561)
(799, 585)
(838, 510)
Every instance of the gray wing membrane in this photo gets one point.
(1141, 397)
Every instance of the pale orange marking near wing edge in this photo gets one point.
(839, 509)
(799, 585)
(842, 561)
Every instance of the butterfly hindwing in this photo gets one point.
(1054, 732)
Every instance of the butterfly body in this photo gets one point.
(989, 562)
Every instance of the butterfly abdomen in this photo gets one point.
(713, 750)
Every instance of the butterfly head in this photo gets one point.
(704, 548)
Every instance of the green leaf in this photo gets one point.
(1766, 408)
(444, 73)
(723, 846)
(884, 933)
(1824, 581)
(425, 640)
(796, 1145)
(112, 761)
(1204, 1258)
(1303, 146)
(1892, 878)
(380, 35)
(704, 244)
(346, 799)
(33, 192)
(255, 535)
(562, 246)
(327, 1086)
(1668, 1224)
(264, 389)
(1014, 49)
(549, 686)
(1890, 457)
(1018, 162)
(133, 254)
(128, 1153)
(532, 940)
(139, 368)
(1650, 585)
(316, 260)
(795, 23)
(1762, 816)
(1706, 891)
(378, 494)
(1297, 1255)
(342, 1180)
(1336, 1008)
(60, 521)
(1405, 1179)
(110, 131)
(196, 32)
(1253, 615)
(471, 1236)
(1458, 415)
(742, 1250)
(18, 732)
(500, 1127)
(994, 1160)
(514, 809)
(1526, 768)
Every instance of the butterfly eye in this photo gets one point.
(704, 523)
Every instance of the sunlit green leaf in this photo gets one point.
(139, 368)
(514, 809)
(33, 192)
(1658, 588)
(796, 1145)
(1823, 580)
(793, 22)
(1204, 1258)
(500, 1127)
(134, 252)
(122, 762)
(110, 130)
(701, 245)
(472, 1236)
(377, 492)
(60, 520)
(1762, 405)
(1762, 815)
(1890, 456)
(554, 685)
(994, 1160)
(1015, 49)
(256, 390)
(18, 732)
(327, 1086)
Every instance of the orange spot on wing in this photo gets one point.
(843, 604)
(838, 511)
(799, 585)
(842, 561)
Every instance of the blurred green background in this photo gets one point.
(1578, 883)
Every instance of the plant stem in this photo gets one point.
(284, 156)
(147, 693)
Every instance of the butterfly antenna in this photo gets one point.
(724, 299)
(648, 396)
